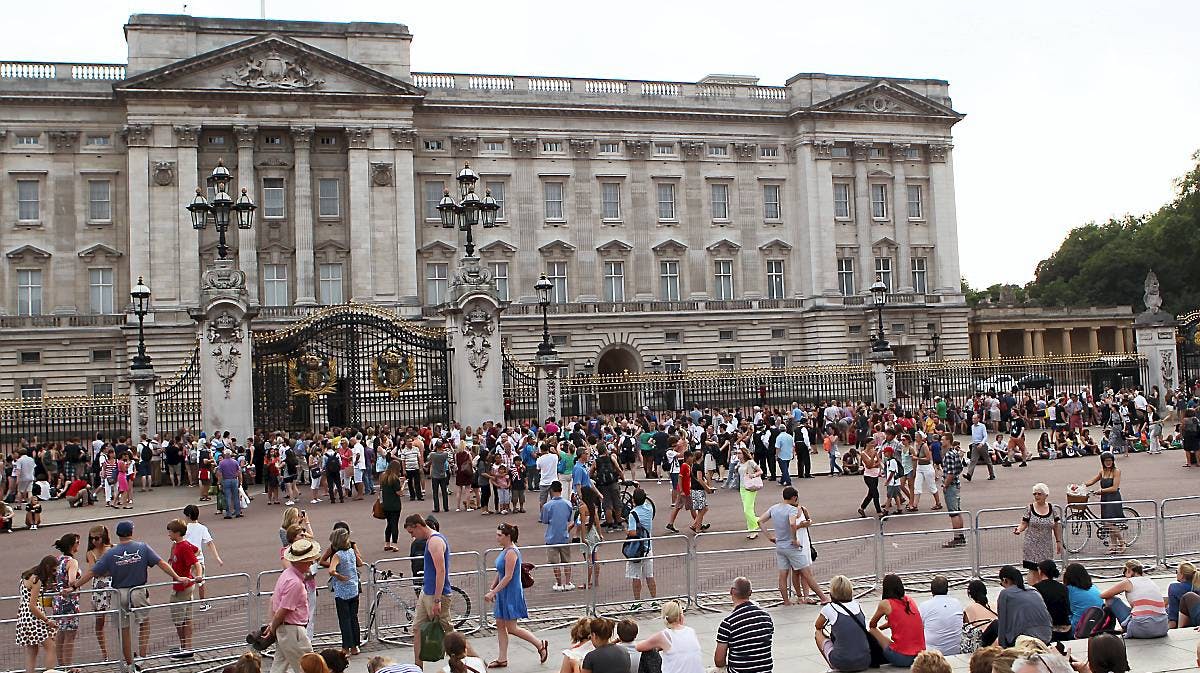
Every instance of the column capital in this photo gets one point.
(403, 139)
(137, 135)
(465, 144)
(938, 152)
(899, 151)
(581, 147)
(636, 147)
(186, 135)
(245, 135)
(862, 149)
(302, 136)
(64, 141)
(358, 137)
(822, 149)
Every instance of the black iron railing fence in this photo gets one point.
(520, 391)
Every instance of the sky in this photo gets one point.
(1075, 110)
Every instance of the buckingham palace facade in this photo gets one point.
(713, 224)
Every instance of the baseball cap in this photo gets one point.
(125, 529)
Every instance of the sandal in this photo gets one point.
(496, 663)
(544, 652)
(937, 507)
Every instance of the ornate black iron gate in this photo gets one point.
(1187, 336)
(520, 391)
(352, 365)
(177, 404)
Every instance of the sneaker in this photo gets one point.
(706, 526)
(314, 501)
(556, 587)
(289, 503)
(569, 586)
(967, 477)
(636, 607)
(204, 607)
(34, 527)
(671, 527)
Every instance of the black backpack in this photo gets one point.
(637, 548)
(605, 472)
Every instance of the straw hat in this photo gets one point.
(303, 550)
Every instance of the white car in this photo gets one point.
(997, 382)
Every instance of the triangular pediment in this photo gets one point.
(31, 251)
(269, 64)
(557, 246)
(669, 246)
(885, 242)
(724, 245)
(336, 246)
(614, 247)
(436, 248)
(498, 247)
(885, 97)
(99, 249)
(775, 244)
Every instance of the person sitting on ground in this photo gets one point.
(930, 661)
(1183, 584)
(1080, 590)
(903, 620)
(1145, 616)
(381, 664)
(581, 644)
(249, 662)
(851, 461)
(978, 615)
(627, 631)
(335, 659)
(1056, 597)
(1106, 654)
(982, 659)
(1020, 610)
(461, 656)
(608, 657)
(6, 518)
(677, 644)
(942, 616)
(845, 647)
(78, 494)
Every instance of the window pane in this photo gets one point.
(771, 210)
(273, 197)
(553, 192)
(846, 276)
(331, 284)
(883, 270)
(669, 274)
(28, 207)
(99, 200)
(497, 189)
(437, 282)
(720, 202)
(666, 200)
(614, 281)
(500, 275)
(724, 279)
(919, 275)
(610, 199)
(841, 199)
(329, 197)
(275, 285)
(100, 291)
(879, 201)
(557, 274)
(775, 288)
(915, 206)
(29, 292)
(433, 196)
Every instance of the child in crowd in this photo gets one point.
(33, 513)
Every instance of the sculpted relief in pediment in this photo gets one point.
(273, 72)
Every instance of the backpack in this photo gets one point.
(1094, 621)
(605, 472)
(637, 548)
(1191, 429)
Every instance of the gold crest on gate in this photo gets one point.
(311, 375)
(394, 371)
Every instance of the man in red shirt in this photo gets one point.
(683, 498)
(78, 494)
(185, 560)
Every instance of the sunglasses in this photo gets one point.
(95, 537)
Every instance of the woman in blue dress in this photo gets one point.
(509, 598)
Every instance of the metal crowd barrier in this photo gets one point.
(97, 639)
(546, 606)
(995, 543)
(1179, 522)
(914, 546)
(1090, 540)
(393, 601)
(718, 561)
(218, 623)
(611, 592)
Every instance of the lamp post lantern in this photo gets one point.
(543, 286)
(879, 295)
(140, 294)
(218, 211)
(936, 338)
(470, 210)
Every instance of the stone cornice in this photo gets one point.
(302, 136)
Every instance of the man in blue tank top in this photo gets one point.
(434, 603)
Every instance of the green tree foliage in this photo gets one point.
(1106, 264)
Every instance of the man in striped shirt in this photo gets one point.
(744, 636)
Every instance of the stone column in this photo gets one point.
(549, 403)
(862, 220)
(302, 216)
(944, 223)
(225, 350)
(981, 345)
(818, 185)
(1027, 343)
(137, 139)
(1130, 344)
(62, 221)
(186, 175)
(900, 219)
(142, 412)
(994, 343)
(1119, 340)
(473, 327)
(362, 279)
(883, 367)
(247, 251)
(1039, 342)
(1066, 341)
(1093, 339)
(408, 221)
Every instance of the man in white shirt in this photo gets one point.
(943, 619)
(358, 460)
(547, 467)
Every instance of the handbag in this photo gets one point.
(972, 635)
(432, 641)
(877, 658)
(527, 575)
(753, 483)
(377, 509)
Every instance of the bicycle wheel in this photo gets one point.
(460, 607)
(1079, 525)
(626, 503)
(1131, 527)
(391, 617)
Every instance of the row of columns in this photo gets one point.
(1034, 342)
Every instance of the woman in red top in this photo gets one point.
(903, 620)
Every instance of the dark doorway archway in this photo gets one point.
(615, 361)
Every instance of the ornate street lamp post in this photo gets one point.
(219, 209)
(543, 286)
(879, 294)
(470, 210)
(932, 352)
(140, 294)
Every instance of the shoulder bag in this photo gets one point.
(877, 658)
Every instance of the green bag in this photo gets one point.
(432, 641)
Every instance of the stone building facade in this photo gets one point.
(721, 223)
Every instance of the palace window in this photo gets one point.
(879, 204)
(497, 189)
(768, 152)
(437, 283)
(883, 271)
(666, 201)
(916, 204)
(614, 281)
(723, 277)
(275, 285)
(433, 196)
(610, 200)
(274, 198)
(329, 200)
(610, 148)
(500, 275)
(29, 292)
(919, 275)
(552, 193)
(99, 201)
(845, 272)
(720, 201)
(29, 204)
(556, 272)
(775, 286)
(331, 284)
(668, 273)
(841, 200)
(433, 145)
(100, 291)
(771, 208)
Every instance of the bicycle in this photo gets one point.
(388, 599)
(626, 497)
(1081, 519)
